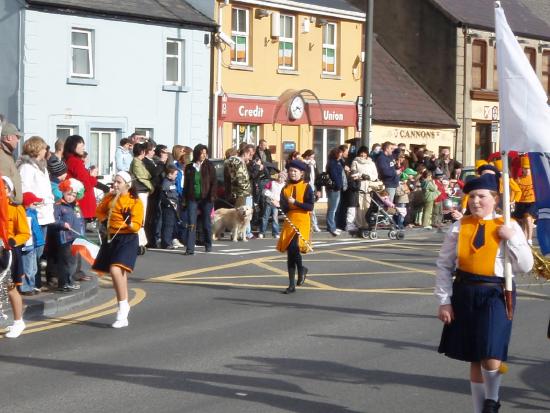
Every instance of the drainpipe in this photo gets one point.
(21, 75)
(217, 90)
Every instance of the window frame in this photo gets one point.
(482, 64)
(284, 39)
(531, 54)
(237, 33)
(327, 46)
(90, 48)
(72, 130)
(180, 62)
(546, 72)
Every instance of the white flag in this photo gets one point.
(524, 111)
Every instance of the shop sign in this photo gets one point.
(416, 133)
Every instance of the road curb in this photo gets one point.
(50, 304)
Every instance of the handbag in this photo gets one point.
(323, 179)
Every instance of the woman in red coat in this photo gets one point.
(73, 152)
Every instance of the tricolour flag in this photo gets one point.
(524, 111)
(3, 214)
(86, 249)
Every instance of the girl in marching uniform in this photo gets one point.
(473, 308)
(297, 203)
(123, 211)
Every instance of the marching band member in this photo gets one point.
(297, 202)
(526, 208)
(473, 307)
(123, 211)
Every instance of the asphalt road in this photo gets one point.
(213, 333)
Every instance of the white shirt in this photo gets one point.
(520, 255)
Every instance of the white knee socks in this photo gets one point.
(122, 314)
(492, 379)
(478, 396)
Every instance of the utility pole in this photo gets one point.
(367, 76)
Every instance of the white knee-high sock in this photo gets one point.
(478, 396)
(123, 310)
(491, 380)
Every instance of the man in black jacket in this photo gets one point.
(385, 163)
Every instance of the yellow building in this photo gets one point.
(288, 72)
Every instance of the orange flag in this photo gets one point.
(3, 214)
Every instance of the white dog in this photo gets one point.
(234, 220)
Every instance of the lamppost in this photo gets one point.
(367, 76)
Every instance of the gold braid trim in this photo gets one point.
(541, 268)
(112, 205)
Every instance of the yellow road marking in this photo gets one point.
(89, 314)
(327, 274)
(388, 264)
(282, 272)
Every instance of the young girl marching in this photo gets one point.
(297, 203)
(473, 308)
(18, 232)
(123, 212)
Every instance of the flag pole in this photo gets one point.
(508, 284)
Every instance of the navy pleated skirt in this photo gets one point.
(120, 252)
(481, 329)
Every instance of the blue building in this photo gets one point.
(104, 69)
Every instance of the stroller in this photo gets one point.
(380, 218)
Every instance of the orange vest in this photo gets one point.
(481, 260)
(299, 217)
(116, 222)
(527, 190)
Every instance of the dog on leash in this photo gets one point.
(235, 220)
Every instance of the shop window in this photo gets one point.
(240, 35)
(329, 48)
(479, 65)
(64, 131)
(531, 55)
(495, 72)
(484, 146)
(287, 43)
(174, 62)
(546, 71)
(245, 133)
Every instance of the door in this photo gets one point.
(325, 139)
(101, 151)
(484, 146)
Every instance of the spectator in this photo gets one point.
(241, 188)
(68, 225)
(336, 172)
(437, 214)
(375, 151)
(200, 181)
(58, 149)
(272, 192)
(387, 173)
(365, 167)
(9, 139)
(35, 242)
(73, 152)
(450, 168)
(230, 153)
(430, 192)
(291, 156)
(169, 204)
(123, 155)
(155, 162)
(142, 185)
(58, 172)
(32, 167)
(263, 152)
(402, 202)
(310, 177)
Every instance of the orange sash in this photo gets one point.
(300, 218)
(481, 260)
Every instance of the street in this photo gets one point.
(213, 333)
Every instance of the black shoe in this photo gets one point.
(207, 249)
(290, 290)
(189, 253)
(302, 277)
(490, 406)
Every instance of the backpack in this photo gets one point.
(323, 179)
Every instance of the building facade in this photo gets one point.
(71, 68)
(288, 72)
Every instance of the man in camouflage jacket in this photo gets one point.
(241, 186)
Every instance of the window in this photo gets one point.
(479, 65)
(484, 146)
(147, 132)
(495, 72)
(101, 150)
(174, 62)
(286, 43)
(245, 133)
(325, 139)
(239, 34)
(546, 71)
(64, 131)
(82, 63)
(531, 55)
(329, 48)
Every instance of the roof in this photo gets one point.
(529, 18)
(398, 98)
(168, 11)
(334, 4)
(337, 8)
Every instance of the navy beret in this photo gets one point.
(486, 181)
(295, 163)
(488, 167)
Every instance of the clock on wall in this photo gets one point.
(296, 108)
